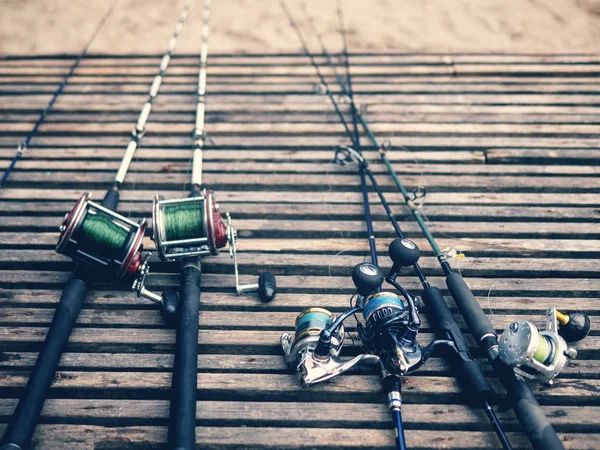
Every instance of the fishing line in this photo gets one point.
(22, 148)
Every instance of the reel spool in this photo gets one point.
(99, 238)
(188, 227)
(299, 349)
(308, 327)
(388, 332)
(535, 355)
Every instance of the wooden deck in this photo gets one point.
(507, 146)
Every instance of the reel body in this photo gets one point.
(389, 334)
(194, 227)
(535, 355)
(188, 227)
(300, 354)
(101, 239)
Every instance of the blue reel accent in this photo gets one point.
(312, 319)
(383, 299)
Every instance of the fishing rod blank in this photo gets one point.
(100, 241)
(22, 148)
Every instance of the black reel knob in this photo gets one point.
(576, 328)
(267, 286)
(404, 252)
(169, 307)
(366, 277)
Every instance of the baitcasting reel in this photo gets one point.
(391, 324)
(102, 240)
(194, 227)
(536, 355)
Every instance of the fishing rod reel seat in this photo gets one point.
(101, 239)
(299, 350)
(535, 355)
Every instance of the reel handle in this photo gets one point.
(366, 277)
(573, 326)
(266, 287)
(168, 301)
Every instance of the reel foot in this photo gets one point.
(267, 286)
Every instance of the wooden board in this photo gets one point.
(506, 145)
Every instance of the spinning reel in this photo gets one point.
(101, 240)
(391, 325)
(194, 227)
(542, 355)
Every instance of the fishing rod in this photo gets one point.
(185, 230)
(22, 147)
(538, 355)
(471, 375)
(104, 245)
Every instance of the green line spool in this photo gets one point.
(102, 236)
(184, 221)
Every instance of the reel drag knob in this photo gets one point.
(404, 253)
(366, 277)
(574, 326)
(267, 286)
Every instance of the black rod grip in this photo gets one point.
(469, 373)
(182, 417)
(470, 309)
(540, 432)
(111, 199)
(26, 415)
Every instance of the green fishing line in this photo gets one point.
(103, 236)
(184, 221)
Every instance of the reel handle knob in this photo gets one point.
(574, 326)
(169, 306)
(404, 253)
(366, 277)
(267, 286)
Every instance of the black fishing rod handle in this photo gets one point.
(26, 415)
(182, 417)
(111, 199)
(468, 372)
(480, 326)
(538, 429)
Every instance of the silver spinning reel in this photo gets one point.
(388, 335)
(300, 354)
(534, 354)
